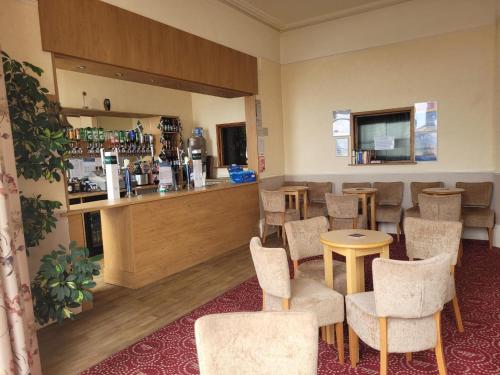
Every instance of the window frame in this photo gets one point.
(390, 111)
(219, 128)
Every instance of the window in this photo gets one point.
(232, 144)
(386, 135)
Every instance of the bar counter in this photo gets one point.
(151, 236)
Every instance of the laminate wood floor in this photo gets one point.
(122, 316)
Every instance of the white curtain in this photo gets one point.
(19, 353)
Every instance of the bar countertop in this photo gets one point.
(76, 209)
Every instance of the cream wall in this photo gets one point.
(401, 22)
(455, 69)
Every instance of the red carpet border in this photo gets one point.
(171, 350)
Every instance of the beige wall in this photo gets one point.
(402, 22)
(455, 69)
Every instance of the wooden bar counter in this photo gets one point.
(149, 237)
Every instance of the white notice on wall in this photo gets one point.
(260, 145)
(384, 142)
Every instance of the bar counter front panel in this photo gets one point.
(147, 239)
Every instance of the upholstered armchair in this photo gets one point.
(239, 343)
(476, 211)
(389, 197)
(440, 207)
(416, 189)
(291, 203)
(343, 212)
(316, 195)
(275, 212)
(428, 238)
(279, 293)
(304, 242)
(403, 313)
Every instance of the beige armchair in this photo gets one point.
(316, 195)
(282, 294)
(389, 197)
(428, 238)
(239, 343)
(403, 313)
(343, 212)
(416, 189)
(275, 212)
(304, 242)
(440, 207)
(476, 211)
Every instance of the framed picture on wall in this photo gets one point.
(426, 131)
(342, 147)
(341, 123)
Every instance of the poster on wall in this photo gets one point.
(426, 127)
(341, 123)
(342, 147)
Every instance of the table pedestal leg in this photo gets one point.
(373, 218)
(328, 260)
(305, 204)
(351, 273)
(360, 269)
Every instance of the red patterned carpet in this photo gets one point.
(171, 350)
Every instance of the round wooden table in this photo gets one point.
(296, 191)
(354, 244)
(443, 191)
(364, 194)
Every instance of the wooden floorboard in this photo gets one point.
(122, 316)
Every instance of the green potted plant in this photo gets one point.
(64, 279)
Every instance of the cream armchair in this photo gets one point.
(403, 313)
(275, 212)
(239, 343)
(279, 293)
(343, 212)
(428, 238)
(304, 242)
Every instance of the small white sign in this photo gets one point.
(165, 174)
(384, 142)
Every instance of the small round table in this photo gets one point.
(364, 194)
(443, 191)
(354, 244)
(296, 191)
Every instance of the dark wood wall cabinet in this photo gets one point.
(94, 37)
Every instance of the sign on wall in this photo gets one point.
(341, 123)
(426, 131)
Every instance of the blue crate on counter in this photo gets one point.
(239, 176)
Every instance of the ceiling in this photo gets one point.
(291, 14)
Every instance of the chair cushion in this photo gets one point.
(388, 214)
(315, 270)
(403, 335)
(316, 209)
(276, 218)
(310, 295)
(476, 193)
(478, 217)
(412, 212)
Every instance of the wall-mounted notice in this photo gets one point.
(383, 142)
(342, 123)
(341, 147)
(426, 127)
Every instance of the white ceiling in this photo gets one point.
(290, 14)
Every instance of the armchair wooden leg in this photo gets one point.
(458, 315)
(353, 347)
(490, 238)
(409, 357)
(383, 346)
(329, 335)
(295, 268)
(439, 346)
(264, 235)
(285, 303)
(398, 231)
(283, 233)
(339, 331)
(323, 333)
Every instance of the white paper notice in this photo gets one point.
(260, 145)
(165, 175)
(384, 142)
